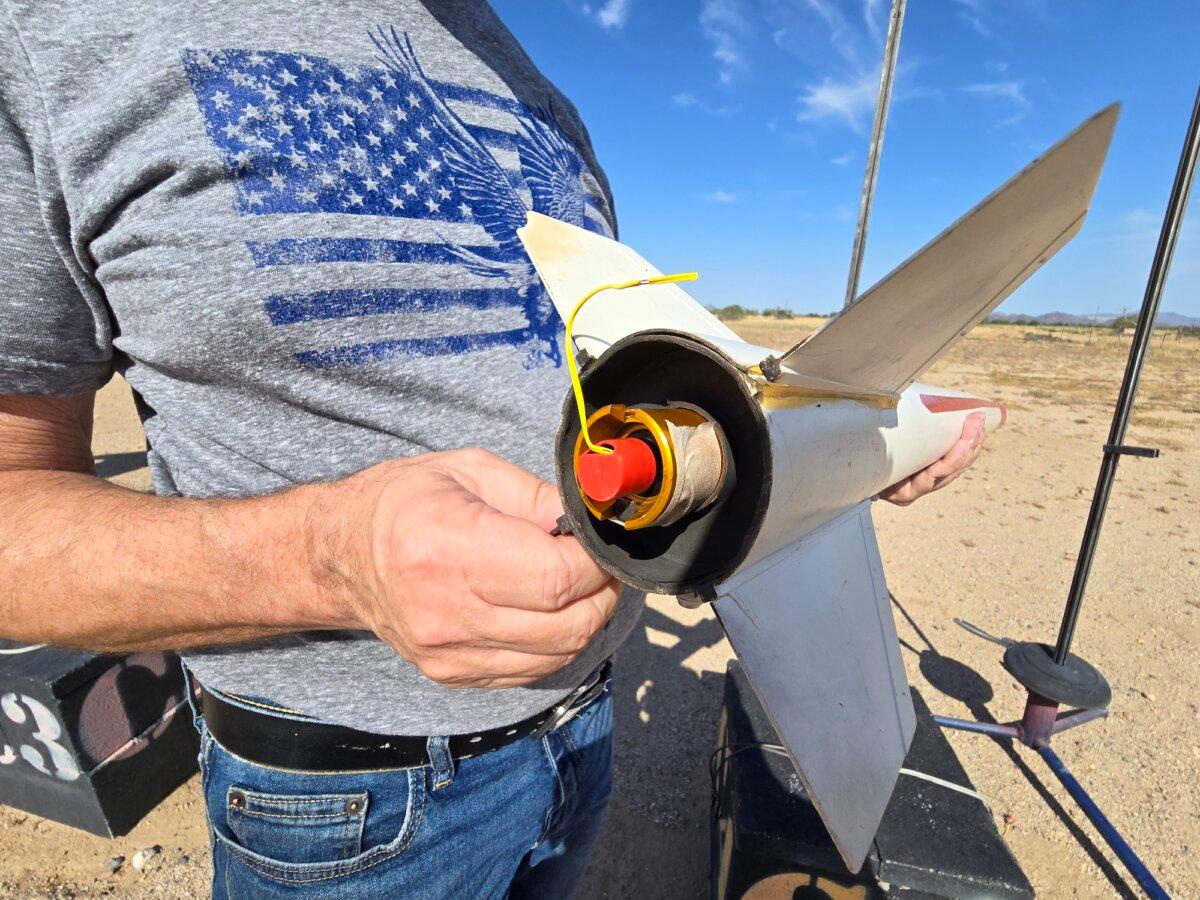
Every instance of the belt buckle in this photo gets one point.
(575, 702)
(558, 715)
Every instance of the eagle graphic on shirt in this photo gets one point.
(386, 165)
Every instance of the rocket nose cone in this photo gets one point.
(630, 469)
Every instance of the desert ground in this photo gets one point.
(996, 548)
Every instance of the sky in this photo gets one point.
(734, 132)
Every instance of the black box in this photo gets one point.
(768, 841)
(89, 740)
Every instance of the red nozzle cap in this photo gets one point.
(629, 469)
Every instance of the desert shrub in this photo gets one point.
(733, 311)
(1123, 322)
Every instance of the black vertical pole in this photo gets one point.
(1133, 372)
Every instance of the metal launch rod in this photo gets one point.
(1041, 719)
(1115, 448)
(891, 51)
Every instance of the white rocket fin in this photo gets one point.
(812, 625)
(902, 325)
(573, 261)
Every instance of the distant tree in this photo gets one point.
(779, 312)
(1123, 322)
(733, 311)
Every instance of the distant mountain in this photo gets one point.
(1165, 320)
(1063, 318)
(1175, 320)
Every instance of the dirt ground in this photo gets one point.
(997, 548)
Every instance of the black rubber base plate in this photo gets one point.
(1075, 683)
(768, 840)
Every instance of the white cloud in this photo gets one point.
(1139, 225)
(871, 10)
(1140, 218)
(688, 100)
(834, 36)
(1007, 90)
(842, 160)
(842, 213)
(987, 18)
(724, 24)
(840, 42)
(720, 197)
(973, 14)
(614, 13)
(843, 37)
(1005, 93)
(1138, 230)
(996, 68)
(847, 101)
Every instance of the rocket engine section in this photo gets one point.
(676, 505)
(666, 462)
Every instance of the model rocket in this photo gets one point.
(693, 463)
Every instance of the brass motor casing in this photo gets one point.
(619, 421)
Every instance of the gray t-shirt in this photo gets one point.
(291, 227)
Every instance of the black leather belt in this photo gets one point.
(270, 739)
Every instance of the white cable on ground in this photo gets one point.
(925, 776)
(913, 773)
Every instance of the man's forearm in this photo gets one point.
(85, 563)
(446, 557)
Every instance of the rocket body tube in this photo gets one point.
(830, 454)
(798, 455)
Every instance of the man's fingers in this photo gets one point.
(569, 629)
(964, 452)
(515, 563)
(955, 460)
(897, 494)
(975, 428)
(504, 486)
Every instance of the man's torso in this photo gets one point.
(300, 223)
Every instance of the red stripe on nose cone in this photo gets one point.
(629, 469)
(938, 403)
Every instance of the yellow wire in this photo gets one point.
(570, 342)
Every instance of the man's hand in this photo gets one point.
(454, 567)
(447, 557)
(936, 476)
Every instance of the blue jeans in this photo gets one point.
(517, 822)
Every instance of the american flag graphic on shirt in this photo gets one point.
(314, 142)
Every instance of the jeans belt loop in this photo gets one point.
(440, 761)
(189, 690)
